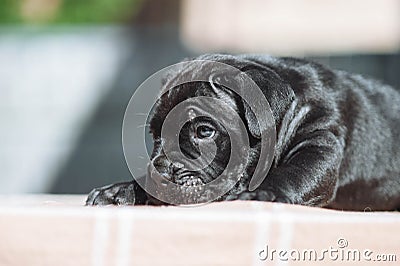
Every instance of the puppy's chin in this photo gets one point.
(189, 181)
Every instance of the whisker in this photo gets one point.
(141, 126)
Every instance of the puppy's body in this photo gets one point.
(337, 145)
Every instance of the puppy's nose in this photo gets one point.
(162, 164)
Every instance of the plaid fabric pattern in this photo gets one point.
(58, 230)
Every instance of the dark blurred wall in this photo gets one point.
(385, 67)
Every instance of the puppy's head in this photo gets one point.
(193, 146)
(195, 126)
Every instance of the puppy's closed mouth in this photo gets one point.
(188, 180)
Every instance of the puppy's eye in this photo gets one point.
(204, 132)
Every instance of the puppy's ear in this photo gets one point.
(264, 114)
(277, 93)
(251, 121)
(256, 127)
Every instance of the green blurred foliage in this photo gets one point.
(67, 11)
(9, 10)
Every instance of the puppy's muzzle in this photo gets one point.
(161, 170)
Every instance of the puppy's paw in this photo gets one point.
(116, 194)
(264, 195)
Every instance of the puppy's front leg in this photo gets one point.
(126, 193)
(307, 175)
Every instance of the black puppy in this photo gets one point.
(337, 139)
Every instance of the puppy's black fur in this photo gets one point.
(337, 145)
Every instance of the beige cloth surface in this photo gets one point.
(58, 230)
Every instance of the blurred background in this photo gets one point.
(69, 67)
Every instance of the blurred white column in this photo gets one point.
(288, 27)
